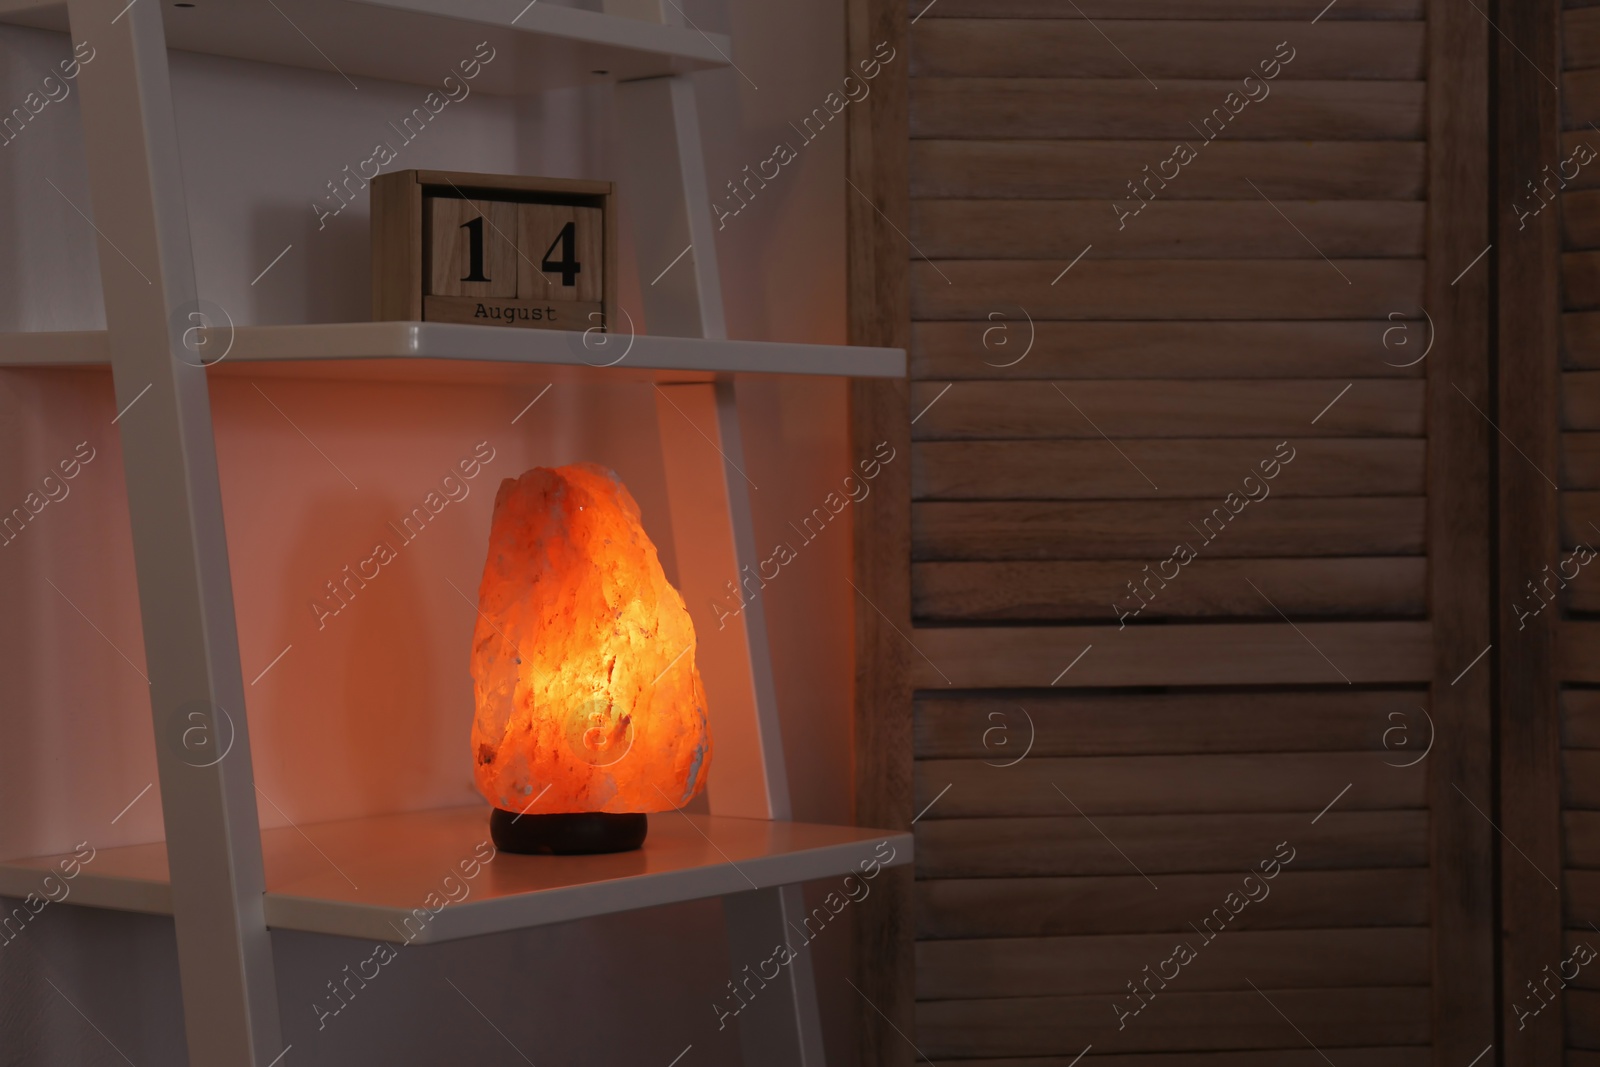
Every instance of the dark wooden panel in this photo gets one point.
(1268, 653)
(1303, 169)
(1006, 345)
(1582, 1011)
(1580, 898)
(1588, 176)
(1326, 1018)
(1171, 9)
(1114, 904)
(1580, 281)
(1165, 785)
(1580, 461)
(1580, 831)
(1161, 844)
(1140, 529)
(1188, 289)
(1371, 586)
(1580, 99)
(998, 729)
(1580, 400)
(1578, 659)
(1016, 410)
(1580, 719)
(1580, 338)
(1580, 514)
(1191, 111)
(1580, 780)
(1165, 48)
(1130, 228)
(1580, 211)
(1089, 470)
(1272, 959)
(1580, 38)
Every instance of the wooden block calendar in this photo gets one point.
(493, 250)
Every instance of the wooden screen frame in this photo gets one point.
(878, 291)
(1460, 463)
(1528, 523)
(1460, 521)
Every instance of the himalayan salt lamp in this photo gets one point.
(590, 712)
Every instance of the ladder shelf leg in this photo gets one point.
(180, 549)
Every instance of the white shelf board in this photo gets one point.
(545, 46)
(388, 865)
(448, 353)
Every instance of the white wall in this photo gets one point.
(370, 713)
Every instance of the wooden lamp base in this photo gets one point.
(568, 833)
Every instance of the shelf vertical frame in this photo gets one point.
(664, 181)
(179, 543)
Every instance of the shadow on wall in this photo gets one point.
(323, 276)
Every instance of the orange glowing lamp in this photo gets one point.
(590, 711)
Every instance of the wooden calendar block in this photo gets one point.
(472, 246)
(493, 250)
(569, 263)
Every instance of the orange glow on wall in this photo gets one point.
(583, 659)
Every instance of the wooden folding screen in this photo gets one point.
(1183, 576)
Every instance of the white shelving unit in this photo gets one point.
(224, 881)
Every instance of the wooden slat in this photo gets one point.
(1580, 831)
(1580, 338)
(1129, 228)
(1100, 288)
(1579, 657)
(1274, 959)
(1160, 844)
(1391, 587)
(992, 108)
(1016, 410)
(1580, 898)
(1090, 470)
(1580, 719)
(1582, 1010)
(1165, 785)
(1170, 9)
(1580, 400)
(1163, 48)
(1583, 941)
(1274, 653)
(1580, 280)
(1291, 170)
(1324, 1018)
(1580, 596)
(1580, 514)
(1139, 529)
(1587, 177)
(1580, 461)
(1580, 98)
(999, 729)
(1580, 211)
(1580, 38)
(1114, 904)
(1007, 346)
(1580, 780)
